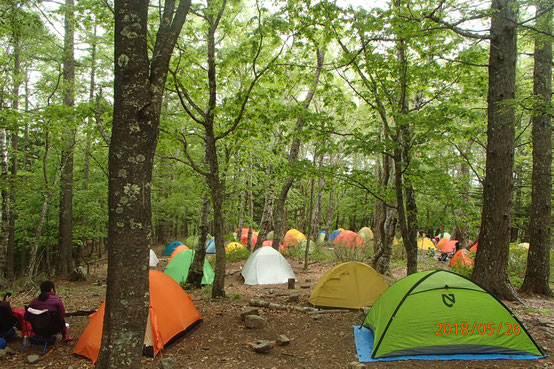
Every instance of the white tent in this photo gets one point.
(266, 266)
(153, 259)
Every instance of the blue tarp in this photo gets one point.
(172, 246)
(210, 246)
(364, 346)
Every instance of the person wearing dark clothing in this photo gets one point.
(48, 300)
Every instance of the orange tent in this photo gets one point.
(474, 247)
(177, 250)
(171, 312)
(449, 246)
(348, 239)
(442, 242)
(462, 258)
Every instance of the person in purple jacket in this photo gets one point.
(50, 301)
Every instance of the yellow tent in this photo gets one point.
(395, 242)
(349, 285)
(293, 237)
(425, 243)
(366, 233)
(232, 246)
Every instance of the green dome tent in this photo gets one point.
(444, 313)
(178, 268)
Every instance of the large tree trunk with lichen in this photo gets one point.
(491, 262)
(138, 93)
(537, 274)
(293, 155)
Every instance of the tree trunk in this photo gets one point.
(4, 167)
(491, 263)
(65, 246)
(267, 212)
(241, 207)
(537, 274)
(138, 93)
(293, 155)
(196, 272)
(88, 143)
(384, 224)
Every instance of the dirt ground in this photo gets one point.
(221, 341)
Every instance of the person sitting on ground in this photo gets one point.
(48, 300)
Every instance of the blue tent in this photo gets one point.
(210, 246)
(334, 234)
(172, 246)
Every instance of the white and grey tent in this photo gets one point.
(266, 266)
(153, 259)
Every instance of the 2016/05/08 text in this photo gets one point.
(467, 329)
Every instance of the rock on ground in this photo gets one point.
(254, 321)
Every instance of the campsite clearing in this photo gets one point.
(222, 341)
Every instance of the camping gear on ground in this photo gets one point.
(266, 266)
(153, 261)
(366, 233)
(269, 235)
(210, 246)
(169, 248)
(178, 268)
(177, 250)
(462, 258)
(350, 285)
(348, 239)
(443, 235)
(444, 313)
(171, 312)
(424, 243)
(334, 235)
(46, 326)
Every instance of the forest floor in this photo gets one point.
(222, 341)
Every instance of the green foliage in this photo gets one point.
(238, 254)
(354, 253)
(517, 263)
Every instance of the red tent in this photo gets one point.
(244, 235)
(349, 239)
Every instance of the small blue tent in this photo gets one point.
(172, 246)
(210, 246)
(334, 234)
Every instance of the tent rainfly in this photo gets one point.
(351, 285)
(441, 312)
(171, 313)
